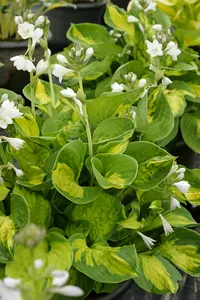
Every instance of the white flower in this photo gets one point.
(133, 115)
(25, 30)
(174, 203)
(117, 88)
(151, 6)
(18, 20)
(142, 82)
(61, 58)
(137, 4)
(181, 170)
(68, 290)
(41, 67)
(180, 176)
(172, 50)
(16, 143)
(4, 97)
(80, 105)
(59, 277)
(132, 19)
(60, 71)
(69, 93)
(18, 172)
(152, 68)
(166, 81)
(88, 54)
(173, 170)
(154, 49)
(134, 77)
(182, 186)
(8, 293)
(157, 27)
(147, 240)
(167, 227)
(40, 20)
(36, 36)
(38, 263)
(22, 63)
(30, 16)
(8, 112)
(11, 282)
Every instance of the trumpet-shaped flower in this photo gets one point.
(60, 71)
(25, 30)
(142, 82)
(60, 277)
(8, 112)
(182, 186)
(40, 20)
(174, 203)
(157, 27)
(132, 19)
(180, 176)
(23, 63)
(147, 240)
(154, 49)
(16, 143)
(18, 172)
(117, 88)
(166, 226)
(172, 50)
(41, 67)
(19, 20)
(68, 290)
(9, 290)
(151, 6)
(166, 81)
(88, 54)
(62, 59)
(69, 93)
(181, 170)
(36, 36)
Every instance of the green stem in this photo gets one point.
(36, 282)
(85, 115)
(51, 87)
(31, 78)
(2, 153)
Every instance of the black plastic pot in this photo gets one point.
(126, 291)
(61, 19)
(121, 3)
(186, 156)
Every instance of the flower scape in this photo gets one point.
(91, 193)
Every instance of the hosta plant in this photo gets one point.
(112, 202)
(142, 51)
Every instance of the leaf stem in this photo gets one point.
(2, 153)
(31, 78)
(51, 87)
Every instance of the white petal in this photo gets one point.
(142, 82)
(15, 142)
(41, 66)
(174, 203)
(68, 92)
(117, 88)
(180, 176)
(11, 282)
(152, 6)
(68, 290)
(182, 186)
(166, 81)
(18, 20)
(157, 27)
(25, 30)
(147, 240)
(80, 105)
(59, 277)
(181, 170)
(88, 54)
(132, 19)
(61, 58)
(38, 263)
(4, 97)
(166, 226)
(40, 20)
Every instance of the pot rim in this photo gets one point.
(122, 288)
(84, 5)
(13, 44)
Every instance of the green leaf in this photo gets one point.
(27, 126)
(142, 124)
(113, 129)
(114, 147)
(55, 251)
(182, 248)
(95, 36)
(154, 164)
(171, 136)
(176, 102)
(67, 169)
(109, 104)
(126, 68)
(40, 208)
(102, 214)
(118, 19)
(177, 218)
(96, 69)
(3, 192)
(161, 120)
(114, 170)
(82, 226)
(20, 213)
(157, 275)
(107, 288)
(190, 129)
(103, 263)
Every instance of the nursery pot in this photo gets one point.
(186, 156)
(121, 3)
(61, 18)
(14, 79)
(125, 291)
